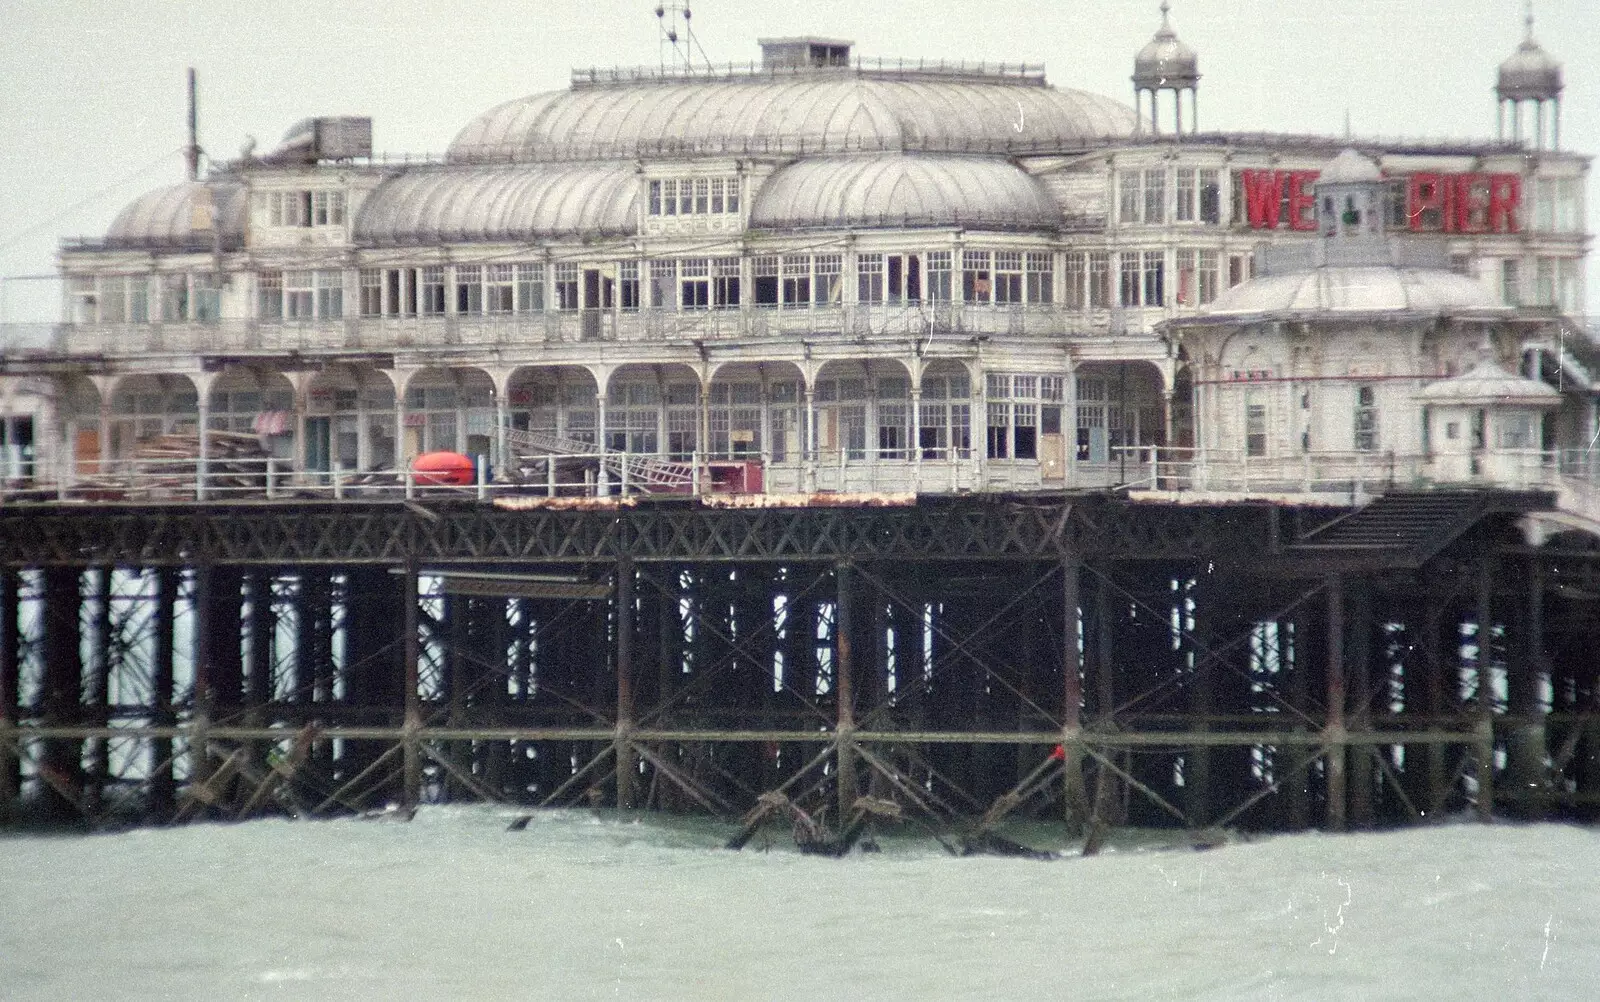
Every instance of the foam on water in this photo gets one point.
(594, 906)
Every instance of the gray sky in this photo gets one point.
(92, 91)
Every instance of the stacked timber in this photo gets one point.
(168, 464)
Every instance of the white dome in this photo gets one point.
(1371, 289)
(1488, 384)
(1350, 167)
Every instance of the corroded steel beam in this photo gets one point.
(390, 533)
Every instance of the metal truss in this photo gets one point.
(974, 528)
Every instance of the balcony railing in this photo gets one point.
(575, 326)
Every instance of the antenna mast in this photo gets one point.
(192, 151)
(676, 23)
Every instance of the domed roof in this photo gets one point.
(1488, 384)
(1350, 167)
(1530, 74)
(512, 202)
(1331, 291)
(903, 189)
(183, 215)
(1165, 62)
(814, 112)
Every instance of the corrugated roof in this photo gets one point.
(166, 218)
(825, 112)
(903, 189)
(500, 203)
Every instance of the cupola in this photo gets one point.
(1166, 64)
(1530, 76)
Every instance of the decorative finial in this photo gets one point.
(1528, 20)
(1166, 7)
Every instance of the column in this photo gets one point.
(1072, 694)
(844, 689)
(1334, 731)
(627, 758)
(1484, 752)
(10, 676)
(413, 703)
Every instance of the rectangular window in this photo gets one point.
(113, 299)
(1008, 277)
(432, 291)
(1128, 290)
(1187, 291)
(1210, 196)
(1074, 277)
(206, 301)
(499, 288)
(1510, 282)
(655, 198)
(869, 278)
(174, 298)
(702, 195)
(530, 288)
(716, 195)
(796, 274)
(828, 287)
(1208, 276)
(685, 196)
(1041, 278)
(269, 295)
(664, 285)
(1155, 278)
(469, 288)
(1569, 207)
(1544, 281)
(1186, 193)
(764, 273)
(628, 285)
(1128, 189)
(669, 197)
(976, 278)
(939, 276)
(371, 292)
(327, 208)
(299, 295)
(733, 195)
(1366, 438)
(1255, 425)
(1155, 195)
(330, 294)
(725, 283)
(694, 283)
(1099, 280)
(567, 287)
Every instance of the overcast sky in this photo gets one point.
(92, 91)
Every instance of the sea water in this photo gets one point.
(592, 905)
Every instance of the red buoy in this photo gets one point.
(444, 469)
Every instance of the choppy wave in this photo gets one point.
(591, 905)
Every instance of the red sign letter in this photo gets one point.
(1425, 194)
(1263, 193)
(1505, 195)
(1302, 204)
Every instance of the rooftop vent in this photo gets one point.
(801, 53)
(316, 139)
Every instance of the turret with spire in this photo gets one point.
(1530, 75)
(1165, 63)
